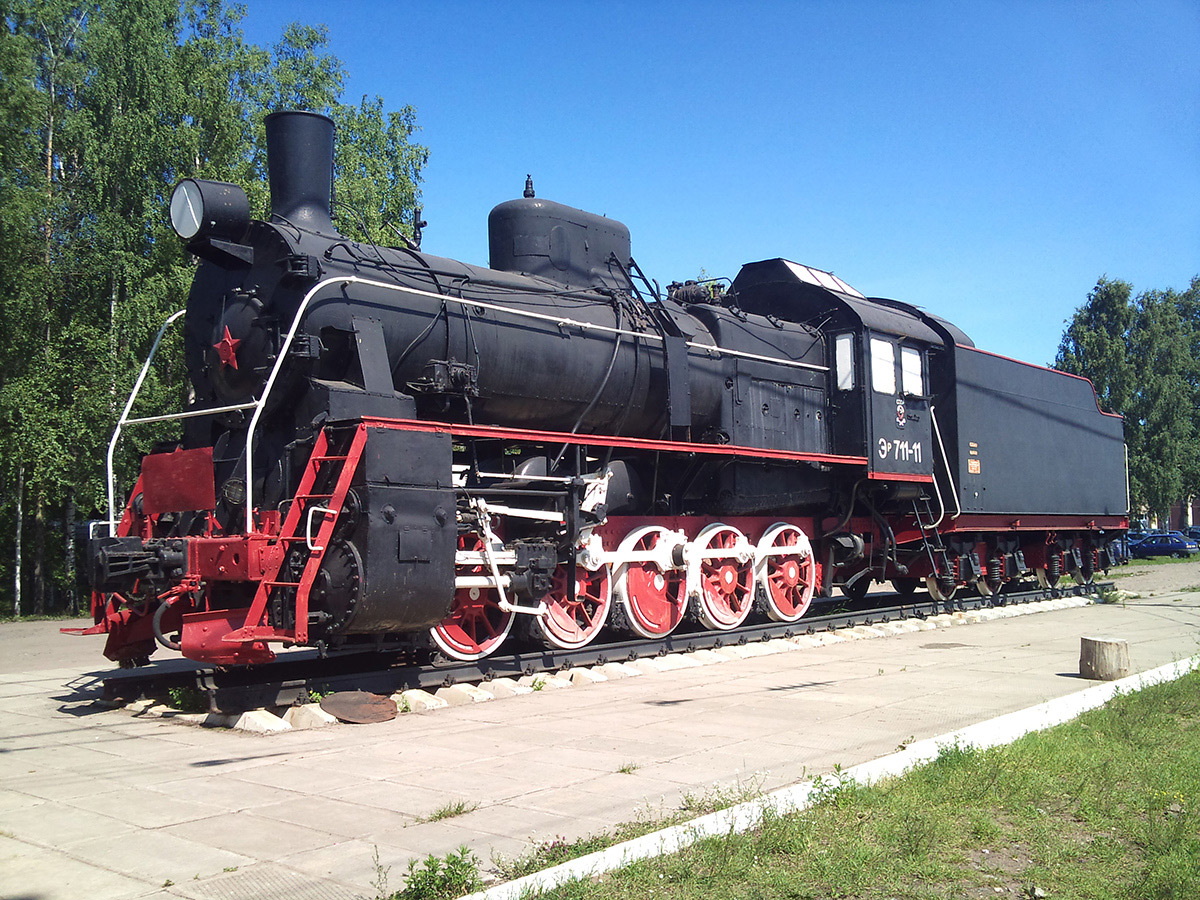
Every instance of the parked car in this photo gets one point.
(1164, 543)
(1193, 532)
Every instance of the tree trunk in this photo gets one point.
(1103, 658)
(39, 555)
(69, 516)
(17, 567)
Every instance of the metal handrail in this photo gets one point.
(949, 474)
(112, 444)
(125, 420)
(260, 404)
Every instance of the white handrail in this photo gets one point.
(112, 444)
(949, 474)
(125, 420)
(266, 391)
(260, 404)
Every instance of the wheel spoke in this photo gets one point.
(724, 583)
(570, 624)
(788, 579)
(476, 625)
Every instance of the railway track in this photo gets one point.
(294, 676)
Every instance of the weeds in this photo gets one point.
(449, 811)
(443, 878)
(721, 797)
(627, 768)
(188, 699)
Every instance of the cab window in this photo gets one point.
(883, 366)
(843, 361)
(911, 373)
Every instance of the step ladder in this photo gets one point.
(321, 494)
(931, 539)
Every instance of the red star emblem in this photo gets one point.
(227, 348)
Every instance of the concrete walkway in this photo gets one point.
(103, 804)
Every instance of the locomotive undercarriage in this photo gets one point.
(705, 457)
(553, 540)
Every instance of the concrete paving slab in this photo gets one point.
(156, 856)
(53, 824)
(356, 863)
(161, 812)
(28, 871)
(264, 881)
(252, 835)
(224, 795)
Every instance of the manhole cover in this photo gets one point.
(359, 707)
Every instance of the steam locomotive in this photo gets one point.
(386, 448)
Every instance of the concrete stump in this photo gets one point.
(1103, 658)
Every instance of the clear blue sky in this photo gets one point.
(987, 161)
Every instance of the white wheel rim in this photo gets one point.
(762, 561)
(621, 588)
(716, 611)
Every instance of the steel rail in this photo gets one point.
(293, 677)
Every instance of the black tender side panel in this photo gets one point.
(1032, 440)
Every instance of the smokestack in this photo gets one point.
(300, 168)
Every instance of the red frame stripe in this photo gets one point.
(603, 440)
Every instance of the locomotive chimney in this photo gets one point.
(300, 168)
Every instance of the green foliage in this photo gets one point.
(1141, 353)
(106, 105)
(449, 811)
(188, 699)
(436, 878)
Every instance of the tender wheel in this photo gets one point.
(982, 586)
(722, 579)
(1049, 574)
(936, 593)
(1082, 574)
(476, 625)
(785, 572)
(906, 587)
(569, 624)
(651, 598)
(857, 589)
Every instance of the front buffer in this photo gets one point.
(365, 546)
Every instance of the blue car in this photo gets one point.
(1163, 543)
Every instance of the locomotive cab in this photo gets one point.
(879, 383)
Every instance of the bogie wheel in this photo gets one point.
(857, 590)
(785, 572)
(722, 578)
(476, 625)
(1049, 574)
(936, 592)
(651, 600)
(906, 587)
(1081, 573)
(571, 624)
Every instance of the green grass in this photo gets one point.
(7, 616)
(1126, 570)
(1103, 808)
